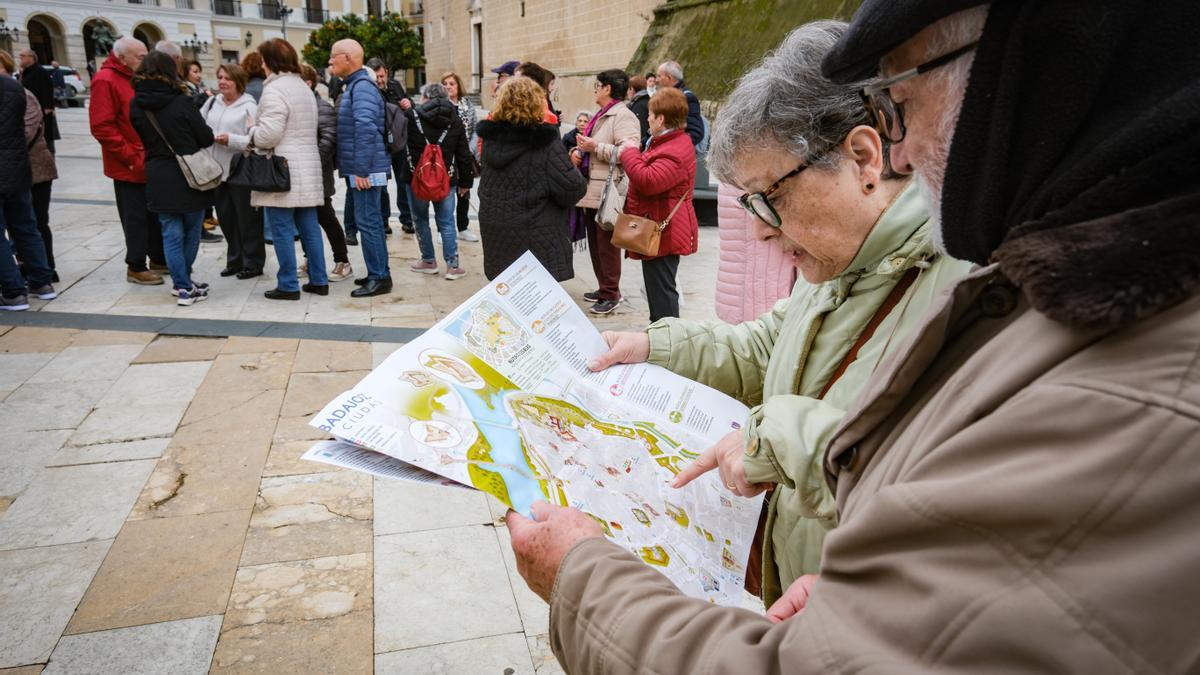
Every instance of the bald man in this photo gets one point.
(124, 160)
(363, 160)
(35, 78)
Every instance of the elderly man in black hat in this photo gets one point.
(1016, 488)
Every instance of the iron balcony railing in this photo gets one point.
(227, 7)
(315, 15)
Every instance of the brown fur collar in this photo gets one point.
(1112, 271)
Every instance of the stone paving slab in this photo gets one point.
(485, 656)
(167, 349)
(51, 512)
(51, 405)
(213, 463)
(164, 569)
(178, 647)
(39, 588)
(308, 616)
(402, 507)
(310, 516)
(441, 586)
(150, 448)
(25, 455)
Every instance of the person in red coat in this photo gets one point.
(658, 179)
(125, 159)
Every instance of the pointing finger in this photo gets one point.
(705, 463)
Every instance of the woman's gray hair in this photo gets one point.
(786, 104)
(434, 90)
(584, 113)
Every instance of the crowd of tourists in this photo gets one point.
(257, 156)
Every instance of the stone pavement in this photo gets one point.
(154, 514)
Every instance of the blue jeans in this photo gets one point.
(369, 222)
(181, 242)
(385, 206)
(17, 218)
(349, 223)
(282, 223)
(443, 213)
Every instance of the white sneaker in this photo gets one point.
(467, 235)
(341, 272)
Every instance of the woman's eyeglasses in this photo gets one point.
(885, 112)
(759, 203)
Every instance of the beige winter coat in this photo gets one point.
(287, 123)
(1014, 496)
(616, 125)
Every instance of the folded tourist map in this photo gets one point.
(497, 396)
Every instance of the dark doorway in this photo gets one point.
(40, 41)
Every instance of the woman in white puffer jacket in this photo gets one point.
(287, 125)
(230, 114)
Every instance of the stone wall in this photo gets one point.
(574, 38)
(718, 40)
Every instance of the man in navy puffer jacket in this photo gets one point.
(363, 160)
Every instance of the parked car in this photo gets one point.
(74, 92)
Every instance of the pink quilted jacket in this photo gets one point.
(751, 274)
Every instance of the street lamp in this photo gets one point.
(8, 34)
(196, 45)
(249, 38)
(284, 13)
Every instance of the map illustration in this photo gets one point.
(484, 400)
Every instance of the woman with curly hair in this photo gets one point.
(528, 184)
(168, 123)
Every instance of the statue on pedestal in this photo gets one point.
(103, 38)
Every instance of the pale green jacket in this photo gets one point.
(779, 363)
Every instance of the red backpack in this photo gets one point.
(431, 180)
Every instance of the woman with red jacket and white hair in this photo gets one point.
(659, 178)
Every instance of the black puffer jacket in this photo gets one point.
(15, 172)
(327, 141)
(525, 193)
(167, 190)
(437, 116)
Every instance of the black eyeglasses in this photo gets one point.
(889, 115)
(759, 203)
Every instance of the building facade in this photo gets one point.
(573, 38)
(210, 31)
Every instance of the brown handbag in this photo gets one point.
(642, 235)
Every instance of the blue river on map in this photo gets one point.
(493, 421)
(496, 426)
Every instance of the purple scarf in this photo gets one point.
(577, 222)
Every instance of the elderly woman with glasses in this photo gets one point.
(815, 174)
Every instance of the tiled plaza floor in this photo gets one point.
(155, 516)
